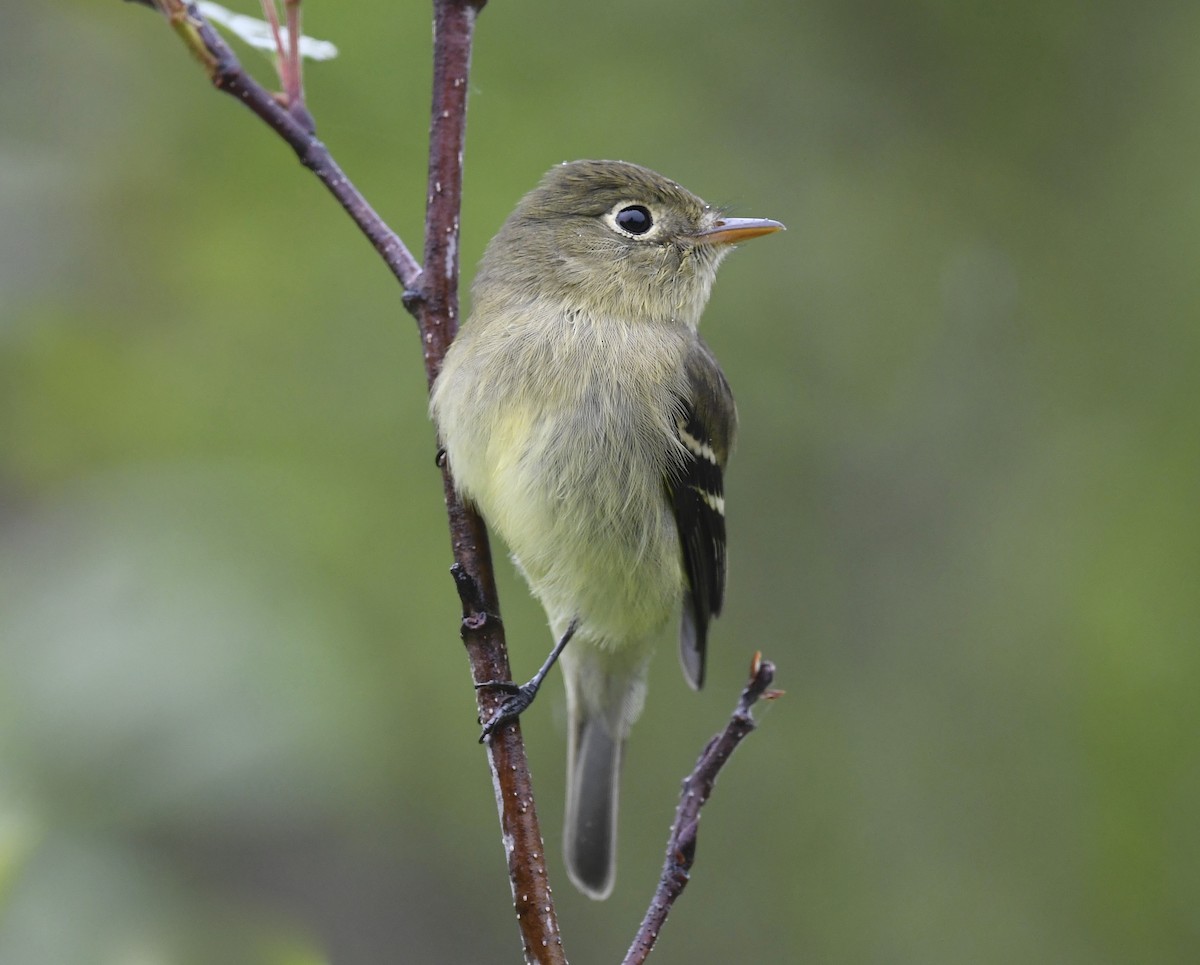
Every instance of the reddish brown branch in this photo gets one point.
(435, 305)
(697, 787)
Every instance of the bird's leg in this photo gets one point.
(521, 695)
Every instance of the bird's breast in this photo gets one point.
(567, 456)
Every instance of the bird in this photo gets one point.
(586, 420)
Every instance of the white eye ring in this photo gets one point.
(633, 220)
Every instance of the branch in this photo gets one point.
(697, 787)
(435, 306)
(432, 297)
(295, 127)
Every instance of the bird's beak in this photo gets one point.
(729, 231)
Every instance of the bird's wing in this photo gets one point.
(705, 423)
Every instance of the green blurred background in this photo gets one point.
(236, 724)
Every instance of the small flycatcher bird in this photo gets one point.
(590, 425)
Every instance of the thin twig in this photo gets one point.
(293, 87)
(697, 786)
(227, 74)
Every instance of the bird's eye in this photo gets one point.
(635, 219)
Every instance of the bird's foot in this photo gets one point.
(520, 696)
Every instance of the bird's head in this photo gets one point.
(613, 239)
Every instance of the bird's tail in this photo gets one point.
(603, 700)
(590, 827)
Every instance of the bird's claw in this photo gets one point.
(520, 696)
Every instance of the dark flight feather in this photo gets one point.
(705, 424)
